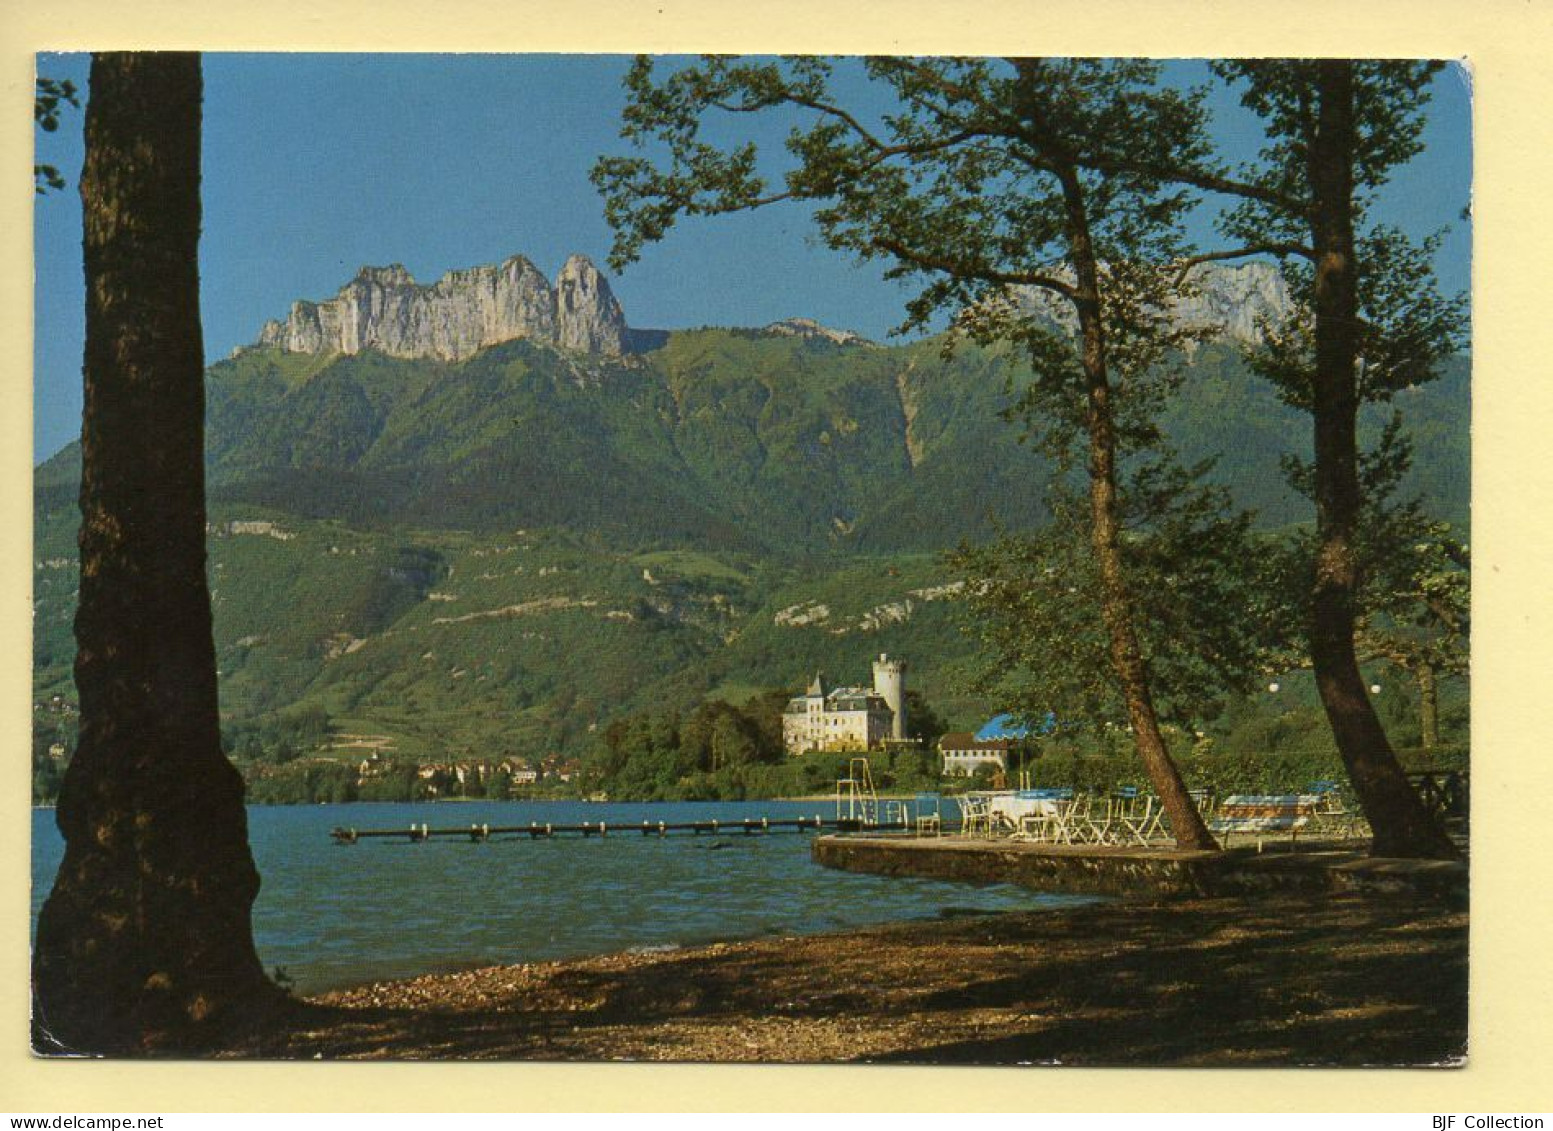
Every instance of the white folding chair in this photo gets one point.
(975, 814)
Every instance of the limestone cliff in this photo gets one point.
(385, 309)
(809, 328)
(587, 316)
(1235, 298)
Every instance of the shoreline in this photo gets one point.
(831, 797)
(1278, 979)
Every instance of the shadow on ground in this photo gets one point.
(1280, 980)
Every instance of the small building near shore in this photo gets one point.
(963, 752)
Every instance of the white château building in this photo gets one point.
(849, 718)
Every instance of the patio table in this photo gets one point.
(1011, 809)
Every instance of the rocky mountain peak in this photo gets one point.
(588, 318)
(394, 275)
(809, 328)
(1235, 298)
(385, 309)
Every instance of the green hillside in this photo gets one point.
(720, 439)
(725, 439)
(454, 643)
(500, 556)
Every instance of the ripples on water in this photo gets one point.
(333, 916)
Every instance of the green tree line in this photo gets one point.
(722, 752)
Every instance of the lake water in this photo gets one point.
(333, 916)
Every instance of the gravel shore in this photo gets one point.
(1275, 980)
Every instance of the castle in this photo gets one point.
(849, 718)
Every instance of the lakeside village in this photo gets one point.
(301, 759)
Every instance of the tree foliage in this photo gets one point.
(719, 751)
(1023, 195)
(1418, 614)
(1201, 587)
(49, 99)
(707, 754)
(952, 187)
(1368, 322)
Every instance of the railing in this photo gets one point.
(857, 793)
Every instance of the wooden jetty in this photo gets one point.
(535, 830)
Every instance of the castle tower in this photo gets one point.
(890, 684)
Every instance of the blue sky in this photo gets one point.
(317, 164)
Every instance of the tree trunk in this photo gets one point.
(1401, 824)
(145, 941)
(1428, 704)
(1105, 533)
